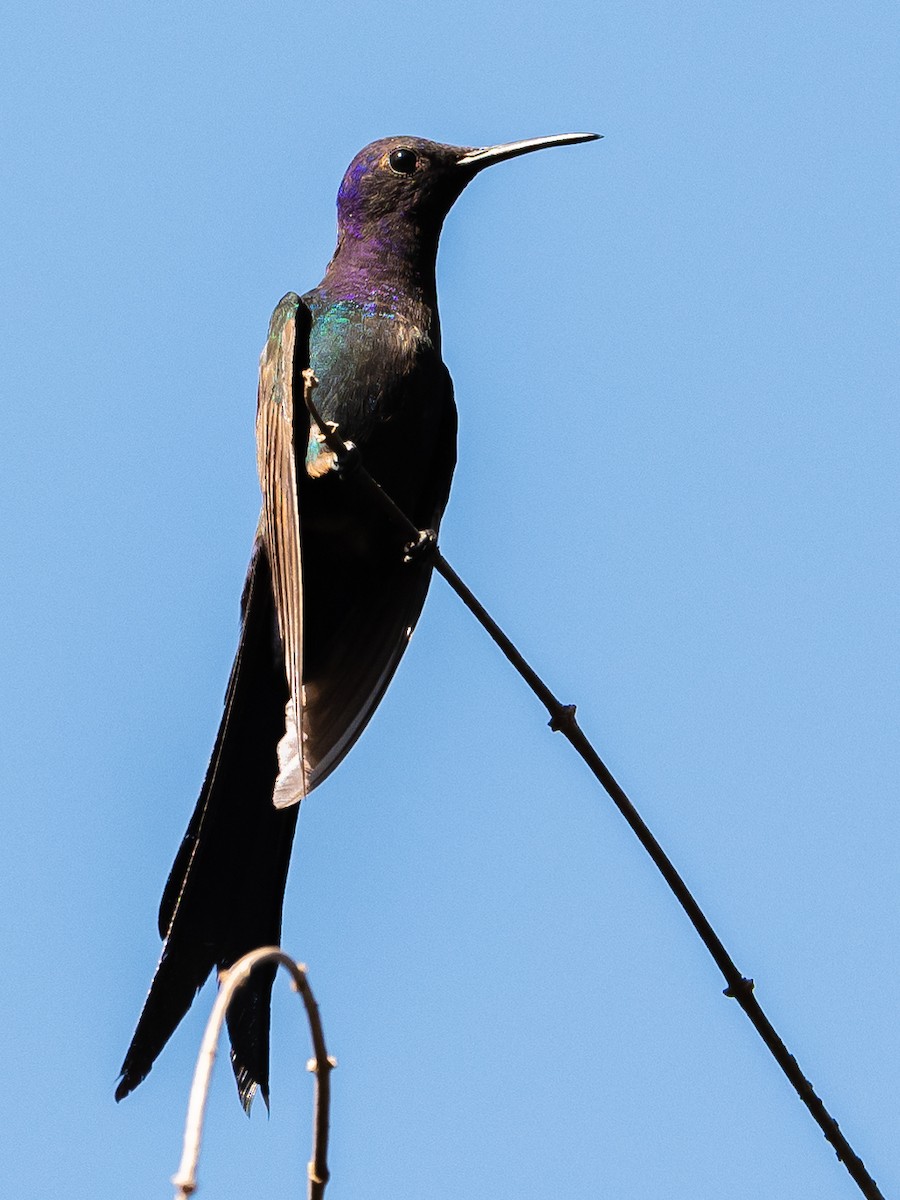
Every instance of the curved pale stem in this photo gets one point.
(185, 1179)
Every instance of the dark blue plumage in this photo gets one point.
(329, 603)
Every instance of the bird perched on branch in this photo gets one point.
(329, 603)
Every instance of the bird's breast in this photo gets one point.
(369, 360)
(383, 384)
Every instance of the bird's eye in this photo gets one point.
(403, 161)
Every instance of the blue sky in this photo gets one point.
(675, 361)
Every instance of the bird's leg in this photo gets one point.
(342, 456)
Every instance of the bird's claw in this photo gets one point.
(424, 546)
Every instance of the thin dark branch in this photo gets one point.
(562, 720)
(185, 1180)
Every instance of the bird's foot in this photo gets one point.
(320, 458)
(423, 547)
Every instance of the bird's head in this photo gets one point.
(402, 186)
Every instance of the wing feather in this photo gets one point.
(282, 423)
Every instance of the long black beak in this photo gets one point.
(486, 157)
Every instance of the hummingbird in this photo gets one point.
(330, 599)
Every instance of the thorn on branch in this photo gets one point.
(314, 1066)
(740, 990)
(563, 719)
(424, 546)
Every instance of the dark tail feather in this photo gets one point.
(249, 1018)
(258, 923)
(225, 892)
